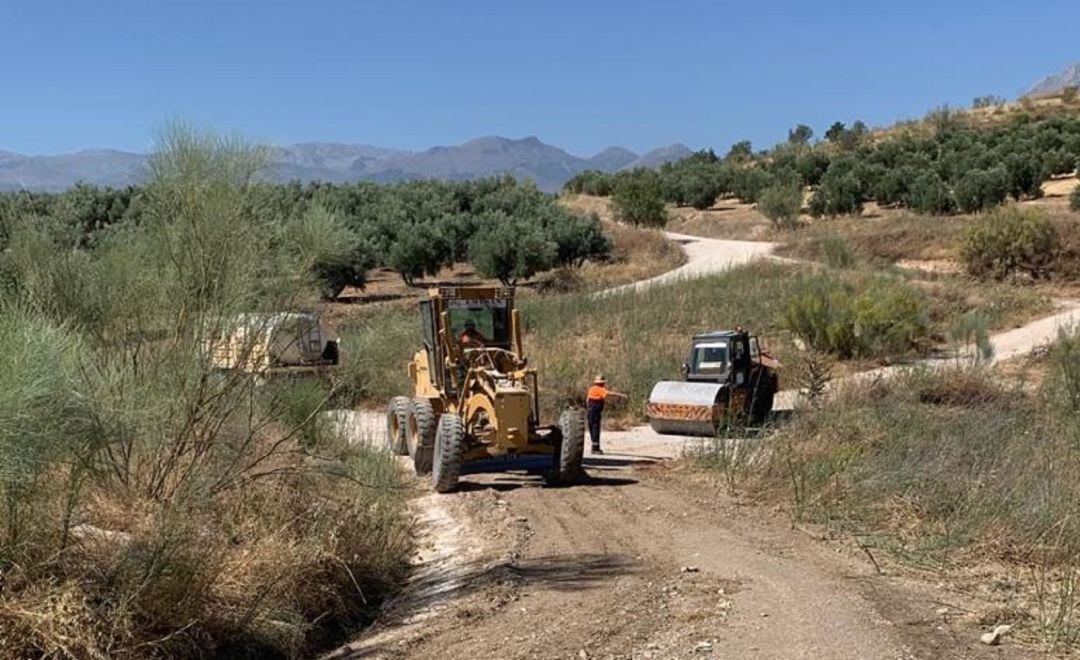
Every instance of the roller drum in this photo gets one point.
(685, 408)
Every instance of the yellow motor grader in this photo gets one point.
(475, 404)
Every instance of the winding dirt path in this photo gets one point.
(649, 559)
(704, 256)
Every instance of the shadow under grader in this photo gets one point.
(617, 462)
(509, 481)
(565, 572)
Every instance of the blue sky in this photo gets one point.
(582, 75)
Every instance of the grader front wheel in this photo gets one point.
(420, 431)
(572, 446)
(449, 450)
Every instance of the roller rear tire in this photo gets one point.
(396, 414)
(763, 400)
(449, 451)
(420, 431)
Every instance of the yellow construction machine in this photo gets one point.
(727, 378)
(475, 404)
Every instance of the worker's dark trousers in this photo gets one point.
(593, 411)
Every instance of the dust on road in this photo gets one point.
(648, 560)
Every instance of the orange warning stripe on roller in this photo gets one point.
(682, 411)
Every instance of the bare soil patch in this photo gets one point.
(655, 561)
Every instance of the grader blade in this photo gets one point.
(685, 408)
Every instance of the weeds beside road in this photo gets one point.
(154, 506)
(942, 470)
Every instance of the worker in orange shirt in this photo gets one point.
(595, 398)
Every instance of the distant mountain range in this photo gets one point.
(1051, 85)
(528, 158)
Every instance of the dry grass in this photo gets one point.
(636, 339)
(989, 117)
(969, 473)
(728, 218)
(290, 563)
(882, 237)
(636, 254)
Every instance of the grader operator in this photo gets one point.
(475, 404)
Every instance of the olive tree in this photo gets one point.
(509, 248)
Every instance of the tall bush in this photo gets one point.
(154, 503)
(879, 318)
(781, 205)
(1011, 241)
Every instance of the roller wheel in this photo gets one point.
(449, 450)
(420, 434)
(396, 414)
(571, 446)
(763, 399)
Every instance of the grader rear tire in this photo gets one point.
(421, 434)
(449, 450)
(396, 414)
(572, 446)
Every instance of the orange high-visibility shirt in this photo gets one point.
(597, 393)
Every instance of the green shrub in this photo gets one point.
(890, 318)
(981, 189)
(987, 101)
(838, 252)
(638, 200)
(1064, 376)
(701, 192)
(820, 313)
(970, 337)
(841, 191)
(929, 194)
(1011, 241)
(882, 317)
(1025, 175)
(781, 204)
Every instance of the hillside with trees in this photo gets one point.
(507, 229)
(945, 164)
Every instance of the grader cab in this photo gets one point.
(475, 402)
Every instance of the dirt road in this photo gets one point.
(648, 559)
(704, 256)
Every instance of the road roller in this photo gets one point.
(727, 378)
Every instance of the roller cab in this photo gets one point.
(726, 377)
